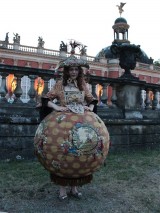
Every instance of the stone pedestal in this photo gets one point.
(103, 60)
(39, 50)
(83, 57)
(63, 54)
(16, 46)
(128, 96)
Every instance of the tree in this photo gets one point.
(157, 63)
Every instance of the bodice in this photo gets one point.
(75, 101)
(74, 97)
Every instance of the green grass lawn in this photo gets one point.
(128, 183)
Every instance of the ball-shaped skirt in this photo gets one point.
(71, 146)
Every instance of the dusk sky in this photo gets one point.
(87, 21)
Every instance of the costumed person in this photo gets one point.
(72, 141)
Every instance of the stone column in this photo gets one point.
(147, 101)
(3, 90)
(18, 91)
(32, 92)
(94, 90)
(155, 100)
(104, 97)
(114, 96)
(46, 80)
(142, 98)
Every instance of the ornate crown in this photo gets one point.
(72, 61)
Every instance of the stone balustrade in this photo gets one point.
(19, 73)
(148, 93)
(37, 50)
(50, 52)
(131, 112)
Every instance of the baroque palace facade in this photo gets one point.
(104, 64)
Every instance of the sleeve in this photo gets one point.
(90, 99)
(44, 110)
(53, 93)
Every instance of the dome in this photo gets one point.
(106, 52)
(144, 58)
(120, 20)
(120, 28)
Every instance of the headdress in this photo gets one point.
(72, 60)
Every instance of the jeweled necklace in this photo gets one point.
(72, 83)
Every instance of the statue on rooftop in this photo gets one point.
(63, 47)
(101, 54)
(16, 38)
(83, 50)
(40, 42)
(120, 7)
(6, 41)
(7, 38)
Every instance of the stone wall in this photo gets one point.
(132, 135)
(17, 132)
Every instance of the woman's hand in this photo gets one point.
(88, 108)
(61, 109)
(57, 107)
(38, 105)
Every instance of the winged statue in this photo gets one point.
(120, 7)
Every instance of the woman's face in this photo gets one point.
(73, 72)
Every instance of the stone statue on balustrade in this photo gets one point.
(150, 60)
(63, 47)
(7, 38)
(6, 41)
(101, 54)
(40, 42)
(16, 38)
(83, 50)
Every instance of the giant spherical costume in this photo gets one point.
(71, 145)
